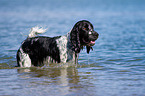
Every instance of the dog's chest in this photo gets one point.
(66, 54)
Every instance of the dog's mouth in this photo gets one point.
(91, 43)
(89, 46)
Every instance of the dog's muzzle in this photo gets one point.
(95, 36)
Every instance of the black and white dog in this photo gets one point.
(40, 50)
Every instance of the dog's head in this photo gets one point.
(83, 34)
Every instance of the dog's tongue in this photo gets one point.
(92, 43)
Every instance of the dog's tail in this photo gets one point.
(35, 31)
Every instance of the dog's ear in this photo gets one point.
(74, 38)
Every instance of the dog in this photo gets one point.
(41, 50)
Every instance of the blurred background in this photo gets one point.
(115, 66)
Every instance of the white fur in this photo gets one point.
(48, 60)
(62, 45)
(66, 54)
(25, 60)
(36, 30)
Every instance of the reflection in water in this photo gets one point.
(67, 77)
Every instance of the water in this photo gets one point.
(116, 67)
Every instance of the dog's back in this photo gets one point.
(37, 49)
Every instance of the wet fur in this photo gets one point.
(40, 50)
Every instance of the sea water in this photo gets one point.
(116, 66)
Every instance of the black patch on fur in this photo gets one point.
(39, 48)
(88, 48)
(18, 58)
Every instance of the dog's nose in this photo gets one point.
(96, 34)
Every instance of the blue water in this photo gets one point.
(116, 66)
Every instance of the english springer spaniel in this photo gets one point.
(40, 50)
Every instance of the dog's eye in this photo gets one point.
(90, 33)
